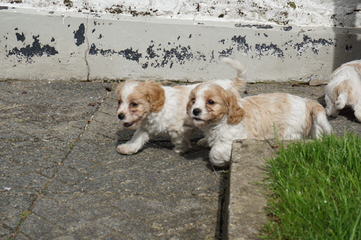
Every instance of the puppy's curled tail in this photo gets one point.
(320, 124)
(240, 80)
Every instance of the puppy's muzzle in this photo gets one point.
(196, 111)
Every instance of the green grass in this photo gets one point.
(316, 190)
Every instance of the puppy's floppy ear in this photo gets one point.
(155, 95)
(118, 90)
(190, 102)
(235, 112)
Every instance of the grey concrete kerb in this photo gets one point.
(247, 195)
(88, 46)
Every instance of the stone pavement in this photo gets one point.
(61, 178)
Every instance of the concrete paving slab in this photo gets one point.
(246, 191)
(61, 178)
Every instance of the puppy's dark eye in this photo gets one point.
(119, 102)
(210, 102)
(193, 100)
(133, 104)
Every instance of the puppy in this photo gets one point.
(223, 118)
(151, 109)
(344, 89)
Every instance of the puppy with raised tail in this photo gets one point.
(344, 89)
(224, 118)
(151, 109)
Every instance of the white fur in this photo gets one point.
(170, 120)
(347, 79)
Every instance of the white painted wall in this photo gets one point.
(329, 13)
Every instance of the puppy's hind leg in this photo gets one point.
(357, 111)
(320, 124)
(181, 140)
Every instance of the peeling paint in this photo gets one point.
(20, 37)
(151, 53)
(226, 52)
(313, 44)
(268, 49)
(241, 43)
(29, 51)
(127, 53)
(79, 35)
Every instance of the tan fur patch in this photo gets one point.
(225, 103)
(219, 109)
(153, 93)
(239, 84)
(313, 109)
(143, 106)
(345, 86)
(235, 112)
(191, 100)
(265, 115)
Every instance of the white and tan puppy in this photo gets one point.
(224, 119)
(344, 89)
(151, 109)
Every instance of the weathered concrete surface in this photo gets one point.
(61, 178)
(246, 191)
(244, 208)
(90, 46)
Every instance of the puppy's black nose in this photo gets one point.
(121, 116)
(196, 111)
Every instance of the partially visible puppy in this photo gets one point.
(151, 109)
(344, 89)
(223, 118)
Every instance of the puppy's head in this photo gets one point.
(136, 100)
(209, 103)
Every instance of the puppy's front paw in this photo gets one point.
(340, 104)
(203, 142)
(358, 115)
(181, 149)
(126, 149)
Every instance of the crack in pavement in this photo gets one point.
(42, 191)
